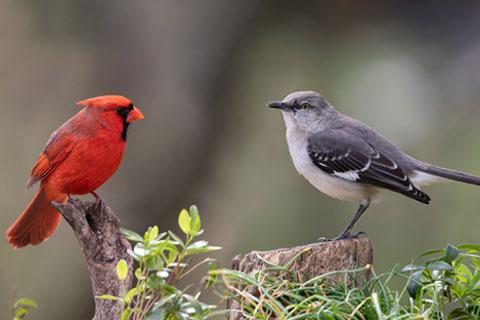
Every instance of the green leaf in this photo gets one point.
(138, 274)
(469, 247)
(200, 247)
(198, 244)
(150, 235)
(132, 293)
(131, 235)
(167, 245)
(474, 284)
(176, 238)
(153, 233)
(195, 223)
(458, 313)
(172, 256)
(184, 221)
(157, 314)
(122, 269)
(451, 253)
(126, 314)
(159, 238)
(463, 273)
(25, 302)
(140, 250)
(414, 284)
(108, 297)
(439, 266)
(476, 262)
(21, 312)
(133, 254)
(412, 267)
(154, 262)
(212, 277)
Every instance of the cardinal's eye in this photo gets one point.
(123, 111)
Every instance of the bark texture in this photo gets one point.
(312, 260)
(97, 230)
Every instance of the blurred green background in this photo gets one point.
(202, 71)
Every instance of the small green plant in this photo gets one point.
(450, 278)
(22, 307)
(163, 260)
(445, 286)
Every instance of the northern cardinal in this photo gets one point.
(79, 157)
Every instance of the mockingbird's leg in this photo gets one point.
(347, 233)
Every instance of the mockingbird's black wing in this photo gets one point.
(349, 157)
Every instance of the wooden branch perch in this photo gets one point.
(313, 260)
(97, 229)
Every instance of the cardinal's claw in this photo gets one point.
(99, 203)
(74, 202)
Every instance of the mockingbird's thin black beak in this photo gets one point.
(277, 105)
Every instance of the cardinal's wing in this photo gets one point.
(58, 147)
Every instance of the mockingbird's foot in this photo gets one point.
(343, 236)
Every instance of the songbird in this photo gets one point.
(79, 157)
(347, 160)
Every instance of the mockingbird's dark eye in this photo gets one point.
(305, 106)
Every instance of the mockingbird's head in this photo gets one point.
(306, 110)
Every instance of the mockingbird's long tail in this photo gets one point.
(452, 174)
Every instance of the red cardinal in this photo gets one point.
(79, 157)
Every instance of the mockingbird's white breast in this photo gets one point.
(339, 188)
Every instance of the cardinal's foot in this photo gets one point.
(344, 236)
(99, 203)
(74, 201)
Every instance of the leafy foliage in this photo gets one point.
(449, 278)
(438, 285)
(163, 260)
(22, 307)
(445, 286)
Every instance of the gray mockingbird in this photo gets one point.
(346, 159)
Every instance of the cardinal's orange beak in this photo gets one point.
(134, 115)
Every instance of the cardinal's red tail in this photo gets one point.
(37, 222)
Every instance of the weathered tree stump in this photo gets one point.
(97, 230)
(313, 260)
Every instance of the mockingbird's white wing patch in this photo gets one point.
(351, 158)
(351, 175)
(348, 175)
